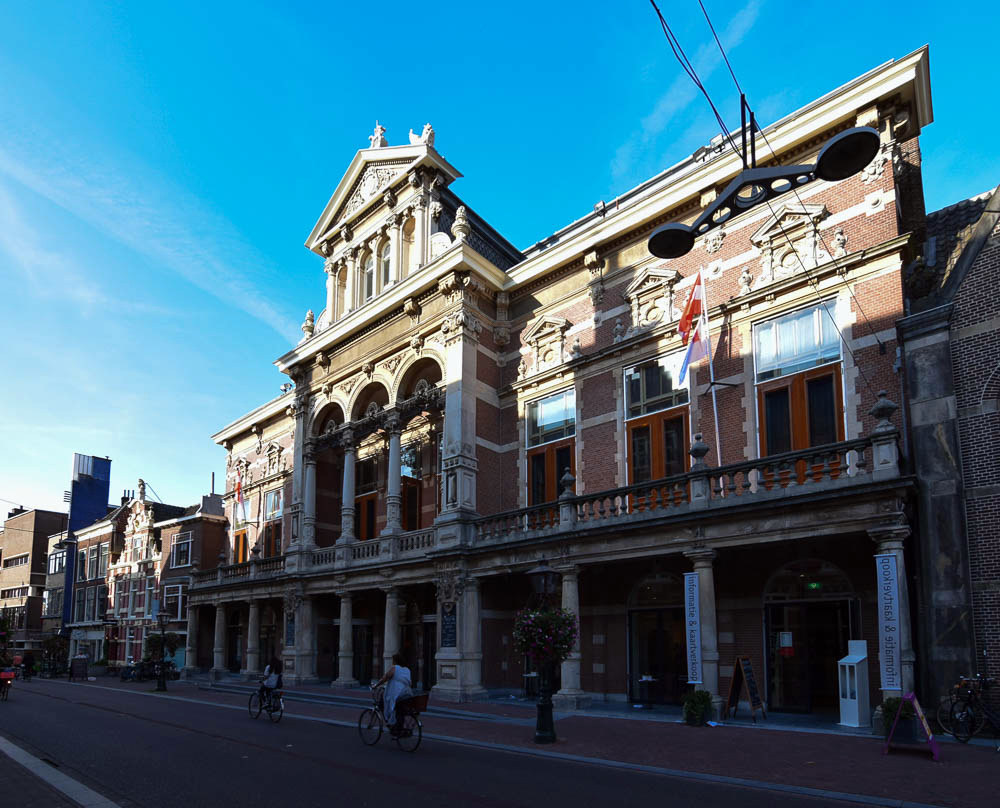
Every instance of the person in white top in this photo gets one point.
(398, 683)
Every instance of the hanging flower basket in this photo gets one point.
(545, 635)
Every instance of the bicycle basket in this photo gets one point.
(416, 704)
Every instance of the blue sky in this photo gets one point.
(161, 166)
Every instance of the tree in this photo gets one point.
(171, 641)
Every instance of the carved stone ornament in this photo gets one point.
(746, 281)
(436, 209)
(389, 198)
(460, 323)
(274, 461)
(368, 369)
(377, 138)
(503, 304)
(450, 585)
(576, 352)
(426, 136)
(547, 338)
(347, 233)
(522, 369)
(619, 333)
(874, 169)
(713, 241)
(373, 409)
(651, 297)
(461, 228)
(392, 363)
(243, 471)
(373, 179)
(416, 343)
(309, 324)
(412, 309)
(440, 243)
(501, 336)
(788, 241)
(839, 243)
(293, 597)
(322, 360)
(259, 434)
(348, 384)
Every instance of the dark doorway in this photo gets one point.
(326, 651)
(657, 663)
(234, 649)
(805, 640)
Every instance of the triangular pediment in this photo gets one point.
(787, 219)
(652, 278)
(370, 173)
(545, 326)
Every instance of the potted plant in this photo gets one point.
(906, 728)
(697, 707)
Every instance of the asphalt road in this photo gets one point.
(139, 750)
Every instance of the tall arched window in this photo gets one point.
(385, 266)
(368, 279)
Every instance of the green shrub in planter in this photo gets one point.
(905, 730)
(697, 707)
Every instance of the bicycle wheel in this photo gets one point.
(276, 709)
(370, 727)
(410, 733)
(964, 720)
(254, 705)
(944, 714)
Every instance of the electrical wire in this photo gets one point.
(692, 73)
(796, 192)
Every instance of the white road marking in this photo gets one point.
(76, 791)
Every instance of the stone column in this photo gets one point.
(459, 464)
(219, 648)
(390, 644)
(330, 266)
(459, 657)
(347, 491)
(420, 230)
(309, 501)
(191, 645)
(570, 696)
(396, 240)
(702, 560)
(345, 651)
(393, 496)
(305, 642)
(352, 281)
(253, 639)
(889, 539)
(298, 410)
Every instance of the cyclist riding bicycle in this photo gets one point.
(398, 683)
(272, 679)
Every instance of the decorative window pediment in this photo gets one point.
(789, 240)
(373, 179)
(651, 297)
(274, 462)
(547, 338)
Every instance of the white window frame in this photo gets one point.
(527, 435)
(184, 539)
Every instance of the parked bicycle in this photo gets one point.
(971, 713)
(267, 699)
(958, 691)
(408, 731)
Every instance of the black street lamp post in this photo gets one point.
(161, 681)
(543, 583)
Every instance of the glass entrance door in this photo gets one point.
(805, 640)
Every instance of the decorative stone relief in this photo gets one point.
(746, 281)
(323, 360)
(389, 198)
(460, 323)
(349, 384)
(436, 210)
(416, 343)
(713, 241)
(450, 585)
(274, 461)
(547, 338)
(839, 243)
(874, 169)
(501, 336)
(789, 240)
(576, 352)
(392, 363)
(503, 303)
(651, 297)
(619, 330)
(439, 244)
(374, 178)
(368, 369)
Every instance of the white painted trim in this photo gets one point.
(73, 789)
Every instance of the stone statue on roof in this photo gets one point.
(427, 136)
(377, 139)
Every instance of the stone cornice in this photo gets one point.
(263, 413)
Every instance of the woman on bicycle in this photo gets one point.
(272, 678)
(398, 683)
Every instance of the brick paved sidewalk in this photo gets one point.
(964, 777)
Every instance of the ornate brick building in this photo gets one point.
(463, 409)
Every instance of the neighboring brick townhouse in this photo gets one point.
(952, 350)
(463, 410)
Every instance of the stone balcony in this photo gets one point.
(838, 471)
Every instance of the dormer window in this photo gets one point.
(384, 265)
(368, 278)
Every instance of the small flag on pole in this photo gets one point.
(240, 502)
(694, 323)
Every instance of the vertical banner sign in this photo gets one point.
(888, 621)
(692, 626)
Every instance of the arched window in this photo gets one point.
(368, 279)
(385, 266)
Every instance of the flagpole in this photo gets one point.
(711, 372)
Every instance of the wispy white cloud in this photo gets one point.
(640, 146)
(145, 212)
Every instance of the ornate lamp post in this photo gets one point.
(161, 681)
(543, 583)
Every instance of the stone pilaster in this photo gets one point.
(345, 647)
(570, 696)
(252, 662)
(889, 540)
(390, 644)
(219, 645)
(459, 657)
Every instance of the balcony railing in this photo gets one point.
(237, 573)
